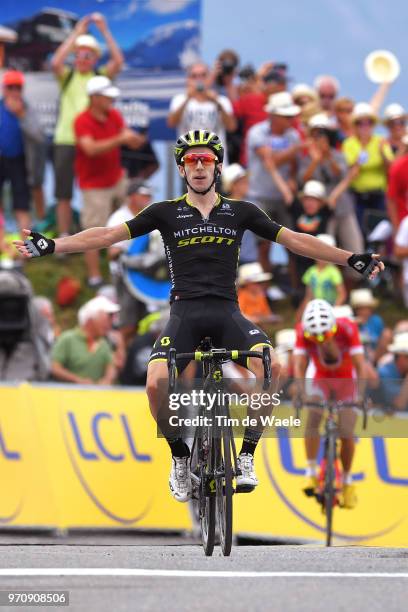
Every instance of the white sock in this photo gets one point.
(311, 469)
(347, 478)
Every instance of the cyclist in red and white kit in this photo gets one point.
(333, 351)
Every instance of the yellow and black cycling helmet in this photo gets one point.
(198, 138)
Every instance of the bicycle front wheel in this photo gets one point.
(207, 491)
(224, 489)
(328, 497)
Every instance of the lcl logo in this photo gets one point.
(381, 458)
(107, 440)
(99, 447)
(5, 450)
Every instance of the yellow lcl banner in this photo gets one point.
(91, 458)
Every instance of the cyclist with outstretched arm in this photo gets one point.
(201, 232)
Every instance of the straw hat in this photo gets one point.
(363, 110)
(230, 174)
(88, 41)
(399, 344)
(282, 104)
(363, 297)
(327, 239)
(285, 339)
(252, 273)
(382, 66)
(314, 189)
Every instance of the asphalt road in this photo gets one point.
(131, 573)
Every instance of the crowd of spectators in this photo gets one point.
(311, 156)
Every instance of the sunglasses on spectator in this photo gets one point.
(346, 109)
(191, 159)
(198, 75)
(86, 55)
(16, 87)
(393, 122)
(327, 96)
(364, 122)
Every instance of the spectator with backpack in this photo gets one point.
(74, 100)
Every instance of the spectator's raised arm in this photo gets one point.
(115, 63)
(61, 54)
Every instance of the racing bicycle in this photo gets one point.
(213, 457)
(327, 493)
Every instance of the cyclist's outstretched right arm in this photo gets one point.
(37, 245)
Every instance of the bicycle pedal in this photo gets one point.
(309, 492)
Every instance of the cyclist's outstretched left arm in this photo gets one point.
(368, 264)
(259, 222)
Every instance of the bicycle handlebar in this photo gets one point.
(223, 355)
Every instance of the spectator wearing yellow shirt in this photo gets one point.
(323, 281)
(74, 100)
(369, 155)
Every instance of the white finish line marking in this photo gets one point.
(164, 573)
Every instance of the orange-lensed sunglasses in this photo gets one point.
(318, 338)
(191, 159)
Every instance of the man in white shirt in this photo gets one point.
(401, 251)
(200, 107)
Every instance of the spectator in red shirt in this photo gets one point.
(397, 194)
(100, 131)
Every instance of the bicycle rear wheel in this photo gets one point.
(224, 489)
(328, 496)
(207, 490)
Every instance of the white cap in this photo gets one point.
(252, 273)
(302, 89)
(285, 339)
(394, 111)
(88, 41)
(399, 344)
(314, 189)
(327, 239)
(361, 110)
(282, 104)
(362, 297)
(343, 312)
(102, 86)
(321, 120)
(92, 308)
(230, 174)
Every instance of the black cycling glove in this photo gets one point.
(364, 263)
(38, 245)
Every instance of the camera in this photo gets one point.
(200, 87)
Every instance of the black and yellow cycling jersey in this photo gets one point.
(202, 254)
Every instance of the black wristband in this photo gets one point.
(38, 245)
(364, 263)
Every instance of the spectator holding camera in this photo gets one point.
(395, 120)
(74, 99)
(224, 73)
(249, 108)
(370, 156)
(200, 107)
(273, 148)
(324, 163)
(100, 131)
